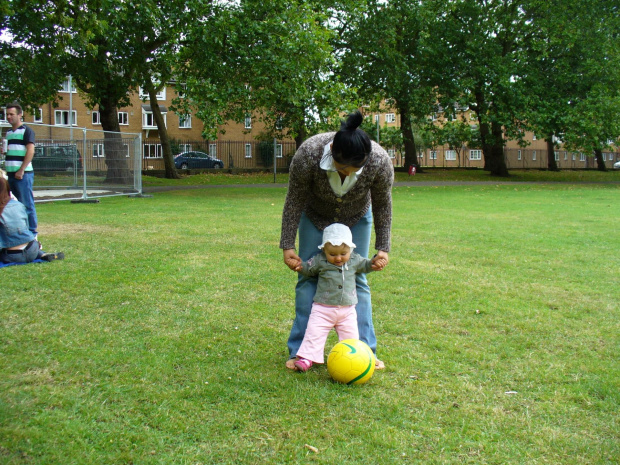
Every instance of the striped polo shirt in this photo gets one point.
(18, 139)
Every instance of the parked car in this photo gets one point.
(56, 158)
(188, 160)
(617, 165)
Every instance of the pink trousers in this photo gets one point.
(322, 319)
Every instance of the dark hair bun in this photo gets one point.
(353, 121)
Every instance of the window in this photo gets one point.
(61, 117)
(376, 118)
(152, 150)
(96, 117)
(533, 136)
(565, 156)
(98, 151)
(38, 116)
(582, 156)
(433, 155)
(65, 86)
(185, 121)
(147, 120)
(213, 150)
(248, 122)
(185, 148)
(533, 155)
(161, 94)
(472, 116)
(476, 154)
(450, 155)
(279, 151)
(556, 155)
(518, 154)
(279, 124)
(391, 153)
(3, 115)
(574, 157)
(390, 118)
(248, 150)
(123, 118)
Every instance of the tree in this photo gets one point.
(571, 78)
(385, 55)
(456, 133)
(486, 40)
(270, 56)
(109, 48)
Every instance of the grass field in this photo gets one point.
(161, 338)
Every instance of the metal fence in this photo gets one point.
(515, 159)
(79, 163)
(233, 154)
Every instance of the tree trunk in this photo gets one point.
(300, 136)
(600, 163)
(118, 171)
(551, 163)
(411, 154)
(497, 162)
(171, 172)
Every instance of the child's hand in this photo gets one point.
(380, 260)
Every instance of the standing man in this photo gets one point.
(19, 154)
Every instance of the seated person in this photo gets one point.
(17, 242)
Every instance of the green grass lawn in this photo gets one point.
(161, 338)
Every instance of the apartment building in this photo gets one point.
(238, 146)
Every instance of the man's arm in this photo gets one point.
(27, 159)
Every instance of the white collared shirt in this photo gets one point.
(338, 186)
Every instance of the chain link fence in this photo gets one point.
(80, 164)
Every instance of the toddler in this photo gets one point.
(336, 295)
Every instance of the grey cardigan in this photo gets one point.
(336, 285)
(309, 192)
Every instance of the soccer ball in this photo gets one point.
(351, 362)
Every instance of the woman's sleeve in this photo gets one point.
(296, 197)
(381, 198)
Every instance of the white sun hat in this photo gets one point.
(337, 234)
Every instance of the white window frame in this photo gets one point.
(533, 155)
(3, 115)
(213, 150)
(476, 154)
(123, 118)
(96, 117)
(64, 87)
(533, 136)
(391, 153)
(148, 115)
(98, 151)
(278, 150)
(38, 116)
(161, 95)
(432, 155)
(582, 156)
(450, 155)
(63, 115)
(248, 122)
(152, 148)
(519, 155)
(185, 148)
(185, 121)
(248, 150)
(556, 155)
(390, 118)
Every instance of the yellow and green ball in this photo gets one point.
(351, 362)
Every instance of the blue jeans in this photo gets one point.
(310, 238)
(22, 188)
(29, 254)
